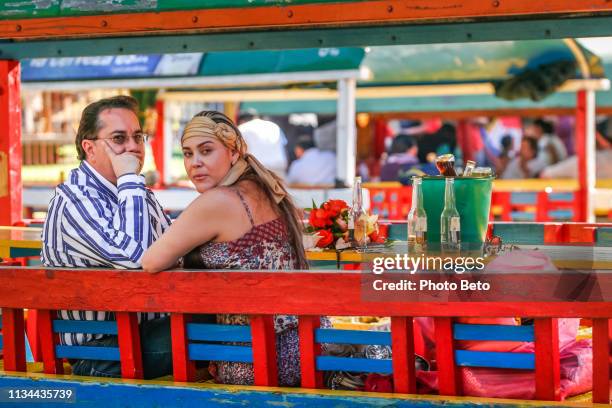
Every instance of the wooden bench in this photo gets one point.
(261, 295)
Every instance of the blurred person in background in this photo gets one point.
(313, 166)
(443, 141)
(501, 160)
(551, 149)
(403, 161)
(568, 168)
(526, 164)
(266, 141)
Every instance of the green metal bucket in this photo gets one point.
(473, 199)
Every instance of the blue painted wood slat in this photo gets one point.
(218, 332)
(523, 198)
(88, 352)
(522, 216)
(366, 365)
(352, 337)
(561, 197)
(492, 332)
(218, 352)
(561, 214)
(85, 326)
(495, 359)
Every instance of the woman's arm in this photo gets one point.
(201, 222)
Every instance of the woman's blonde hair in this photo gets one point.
(290, 214)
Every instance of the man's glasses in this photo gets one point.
(120, 140)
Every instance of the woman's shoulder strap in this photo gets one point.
(246, 207)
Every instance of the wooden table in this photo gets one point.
(20, 241)
(25, 241)
(563, 256)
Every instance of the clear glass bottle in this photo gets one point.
(357, 224)
(417, 219)
(450, 223)
(469, 168)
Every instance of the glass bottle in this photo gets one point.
(417, 219)
(469, 168)
(446, 165)
(357, 224)
(450, 224)
(482, 172)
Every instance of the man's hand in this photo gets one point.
(123, 163)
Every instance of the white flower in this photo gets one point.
(310, 241)
(341, 243)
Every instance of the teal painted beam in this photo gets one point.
(22, 252)
(324, 265)
(423, 104)
(604, 236)
(520, 234)
(75, 8)
(314, 38)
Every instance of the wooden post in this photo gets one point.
(448, 374)
(264, 351)
(129, 345)
(547, 365)
(33, 333)
(402, 345)
(585, 150)
(346, 132)
(183, 368)
(601, 361)
(13, 331)
(309, 350)
(542, 207)
(158, 144)
(10, 143)
(48, 340)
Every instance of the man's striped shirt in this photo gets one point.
(93, 223)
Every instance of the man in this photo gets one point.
(103, 216)
(313, 166)
(403, 161)
(265, 140)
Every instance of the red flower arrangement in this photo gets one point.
(329, 225)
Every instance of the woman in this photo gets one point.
(245, 220)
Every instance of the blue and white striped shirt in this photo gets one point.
(93, 223)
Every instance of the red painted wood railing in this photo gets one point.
(393, 203)
(308, 294)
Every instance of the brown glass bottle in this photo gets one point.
(446, 165)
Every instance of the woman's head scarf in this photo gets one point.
(231, 138)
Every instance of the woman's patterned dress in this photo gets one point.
(265, 246)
